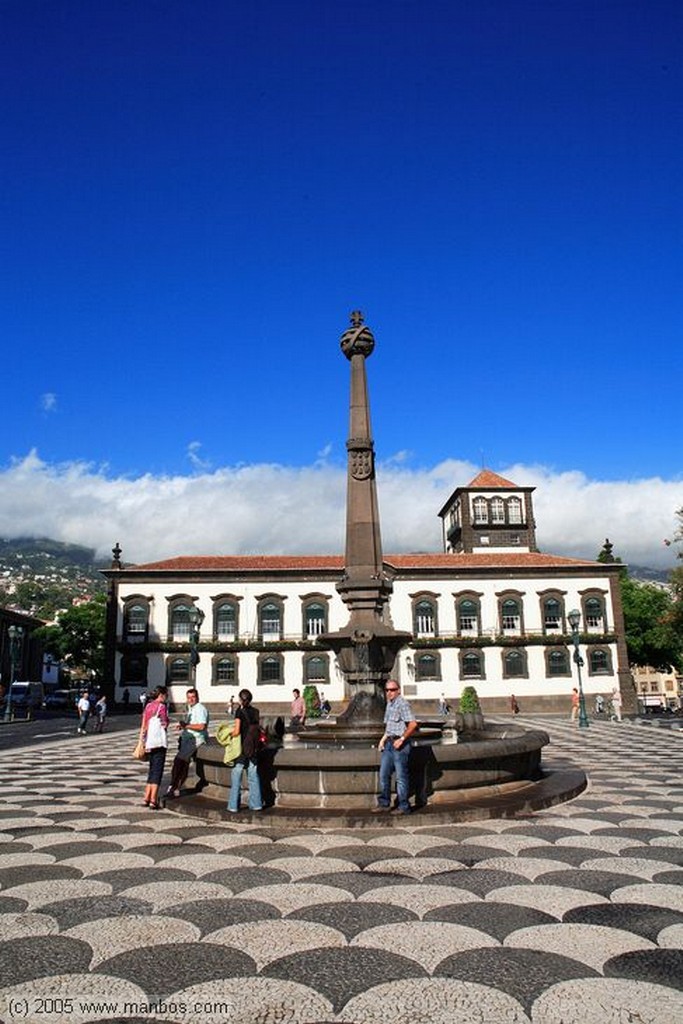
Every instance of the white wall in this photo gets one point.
(401, 616)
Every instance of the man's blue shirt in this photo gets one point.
(397, 715)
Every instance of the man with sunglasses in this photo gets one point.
(399, 726)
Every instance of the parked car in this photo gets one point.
(61, 700)
(25, 699)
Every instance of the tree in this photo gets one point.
(651, 634)
(676, 578)
(78, 637)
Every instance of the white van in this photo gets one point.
(25, 699)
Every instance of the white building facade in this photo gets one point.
(489, 611)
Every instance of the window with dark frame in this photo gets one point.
(471, 665)
(514, 664)
(427, 667)
(558, 663)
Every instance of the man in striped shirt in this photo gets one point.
(399, 726)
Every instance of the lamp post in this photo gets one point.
(196, 616)
(574, 618)
(16, 638)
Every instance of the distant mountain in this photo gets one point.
(41, 576)
(647, 574)
(40, 550)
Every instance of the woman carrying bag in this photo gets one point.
(153, 732)
(247, 728)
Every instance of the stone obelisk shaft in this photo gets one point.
(366, 647)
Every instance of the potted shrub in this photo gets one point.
(470, 709)
(312, 701)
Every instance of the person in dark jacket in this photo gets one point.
(247, 727)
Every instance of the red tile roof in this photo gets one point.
(487, 478)
(335, 563)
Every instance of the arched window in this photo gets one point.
(427, 667)
(315, 618)
(270, 620)
(136, 619)
(514, 664)
(424, 618)
(497, 510)
(557, 662)
(552, 614)
(472, 664)
(316, 670)
(178, 670)
(180, 622)
(225, 671)
(510, 615)
(598, 662)
(468, 617)
(594, 614)
(270, 669)
(226, 621)
(514, 511)
(133, 670)
(481, 510)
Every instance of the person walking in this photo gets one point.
(247, 727)
(153, 731)
(575, 705)
(616, 704)
(101, 713)
(399, 726)
(83, 707)
(297, 711)
(194, 730)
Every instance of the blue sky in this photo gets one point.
(195, 195)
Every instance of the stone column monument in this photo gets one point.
(367, 646)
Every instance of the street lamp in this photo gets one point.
(574, 618)
(196, 616)
(16, 638)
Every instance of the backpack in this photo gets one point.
(254, 737)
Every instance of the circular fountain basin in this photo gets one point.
(310, 778)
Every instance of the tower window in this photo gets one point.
(514, 511)
(481, 510)
(497, 510)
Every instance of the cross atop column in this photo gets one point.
(356, 318)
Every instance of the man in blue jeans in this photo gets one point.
(399, 726)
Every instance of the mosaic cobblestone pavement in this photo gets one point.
(109, 911)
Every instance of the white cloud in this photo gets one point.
(264, 508)
(193, 450)
(48, 402)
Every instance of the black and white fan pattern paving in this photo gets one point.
(574, 914)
